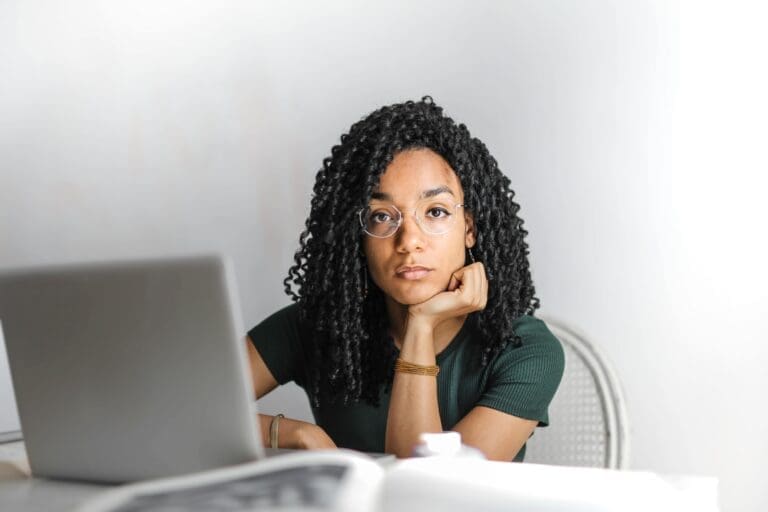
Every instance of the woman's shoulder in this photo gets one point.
(537, 346)
(281, 322)
(289, 312)
(532, 330)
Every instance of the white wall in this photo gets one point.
(634, 133)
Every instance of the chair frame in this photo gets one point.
(608, 388)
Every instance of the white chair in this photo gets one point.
(588, 419)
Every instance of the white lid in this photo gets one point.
(442, 443)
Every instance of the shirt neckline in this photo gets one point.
(455, 342)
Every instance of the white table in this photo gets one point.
(19, 492)
(415, 485)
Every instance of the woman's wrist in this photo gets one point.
(420, 324)
(295, 434)
(286, 434)
(274, 431)
(418, 344)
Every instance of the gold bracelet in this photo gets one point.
(273, 430)
(416, 369)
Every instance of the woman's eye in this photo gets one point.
(380, 217)
(437, 213)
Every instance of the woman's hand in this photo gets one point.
(295, 434)
(467, 292)
(301, 435)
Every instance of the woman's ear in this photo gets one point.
(469, 234)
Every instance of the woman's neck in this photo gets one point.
(444, 333)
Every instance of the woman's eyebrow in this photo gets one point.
(442, 189)
(382, 196)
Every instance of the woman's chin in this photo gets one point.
(414, 295)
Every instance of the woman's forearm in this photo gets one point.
(413, 405)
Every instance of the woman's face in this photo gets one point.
(412, 265)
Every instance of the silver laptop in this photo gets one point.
(129, 371)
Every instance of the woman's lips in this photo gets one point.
(412, 273)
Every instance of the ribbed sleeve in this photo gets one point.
(278, 340)
(523, 380)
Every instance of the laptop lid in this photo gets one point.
(129, 370)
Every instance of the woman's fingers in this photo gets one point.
(454, 283)
(480, 283)
(467, 292)
(472, 287)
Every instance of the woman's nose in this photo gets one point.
(410, 237)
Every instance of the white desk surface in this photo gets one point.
(19, 492)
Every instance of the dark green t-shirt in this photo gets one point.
(519, 380)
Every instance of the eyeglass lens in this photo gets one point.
(434, 216)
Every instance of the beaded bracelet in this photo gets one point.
(416, 369)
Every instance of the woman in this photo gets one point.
(413, 298)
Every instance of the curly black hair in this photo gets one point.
(350, 354)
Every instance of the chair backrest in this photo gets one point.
(588, 419)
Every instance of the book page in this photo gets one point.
(337, 480)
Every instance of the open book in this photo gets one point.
(338, 480)
(342, 480)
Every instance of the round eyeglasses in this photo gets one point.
(435, 217)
